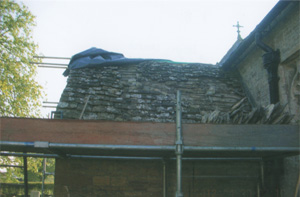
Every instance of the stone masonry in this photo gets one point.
(121, 178)
(285, 36)
(147, 92)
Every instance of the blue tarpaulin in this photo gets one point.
(95, 57)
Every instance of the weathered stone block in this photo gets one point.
(63, 105)
(101, 180)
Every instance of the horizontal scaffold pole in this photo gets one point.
(149, 147)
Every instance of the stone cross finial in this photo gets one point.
(238, 26)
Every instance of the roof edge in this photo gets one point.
(233, 59)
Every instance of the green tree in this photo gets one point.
(10, 174)
(34, 169)
(19, 92)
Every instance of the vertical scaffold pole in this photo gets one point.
(25, 177)
(44, 176)
(179, 146)
(164, 178)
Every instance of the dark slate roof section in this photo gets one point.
(239, 53)
(147, 92)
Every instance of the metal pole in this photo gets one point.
(295, 150)
(222, 177)
(113, 147)
(11, 166)
(50, 102)
(241, 149)
(178, 118)
(130, 157)
(44, 174)
(49, 106)
(86, 100)
(47, 57)
(164, 179)
(59, 67)
(179, 177)
(179, 146)
(28, 155)
(54, 64)
(112, 157)
(262, 174)
(25, 176)
(261, 180)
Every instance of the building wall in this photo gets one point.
(285, 36)
(91, 177)
(107, 178)
(255, 78)
(146, 92)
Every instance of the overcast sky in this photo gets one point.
(186, 31)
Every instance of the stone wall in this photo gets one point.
(91, 177)
(147, 92)
(255, 78)
(285, 36)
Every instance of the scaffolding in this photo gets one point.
(258, 152)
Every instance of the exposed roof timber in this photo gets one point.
(106, 138)
(280, 10)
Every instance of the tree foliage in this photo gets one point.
(19, 92)
(34, 169)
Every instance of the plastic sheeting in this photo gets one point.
(95, 57)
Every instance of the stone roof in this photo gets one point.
(147, 92)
